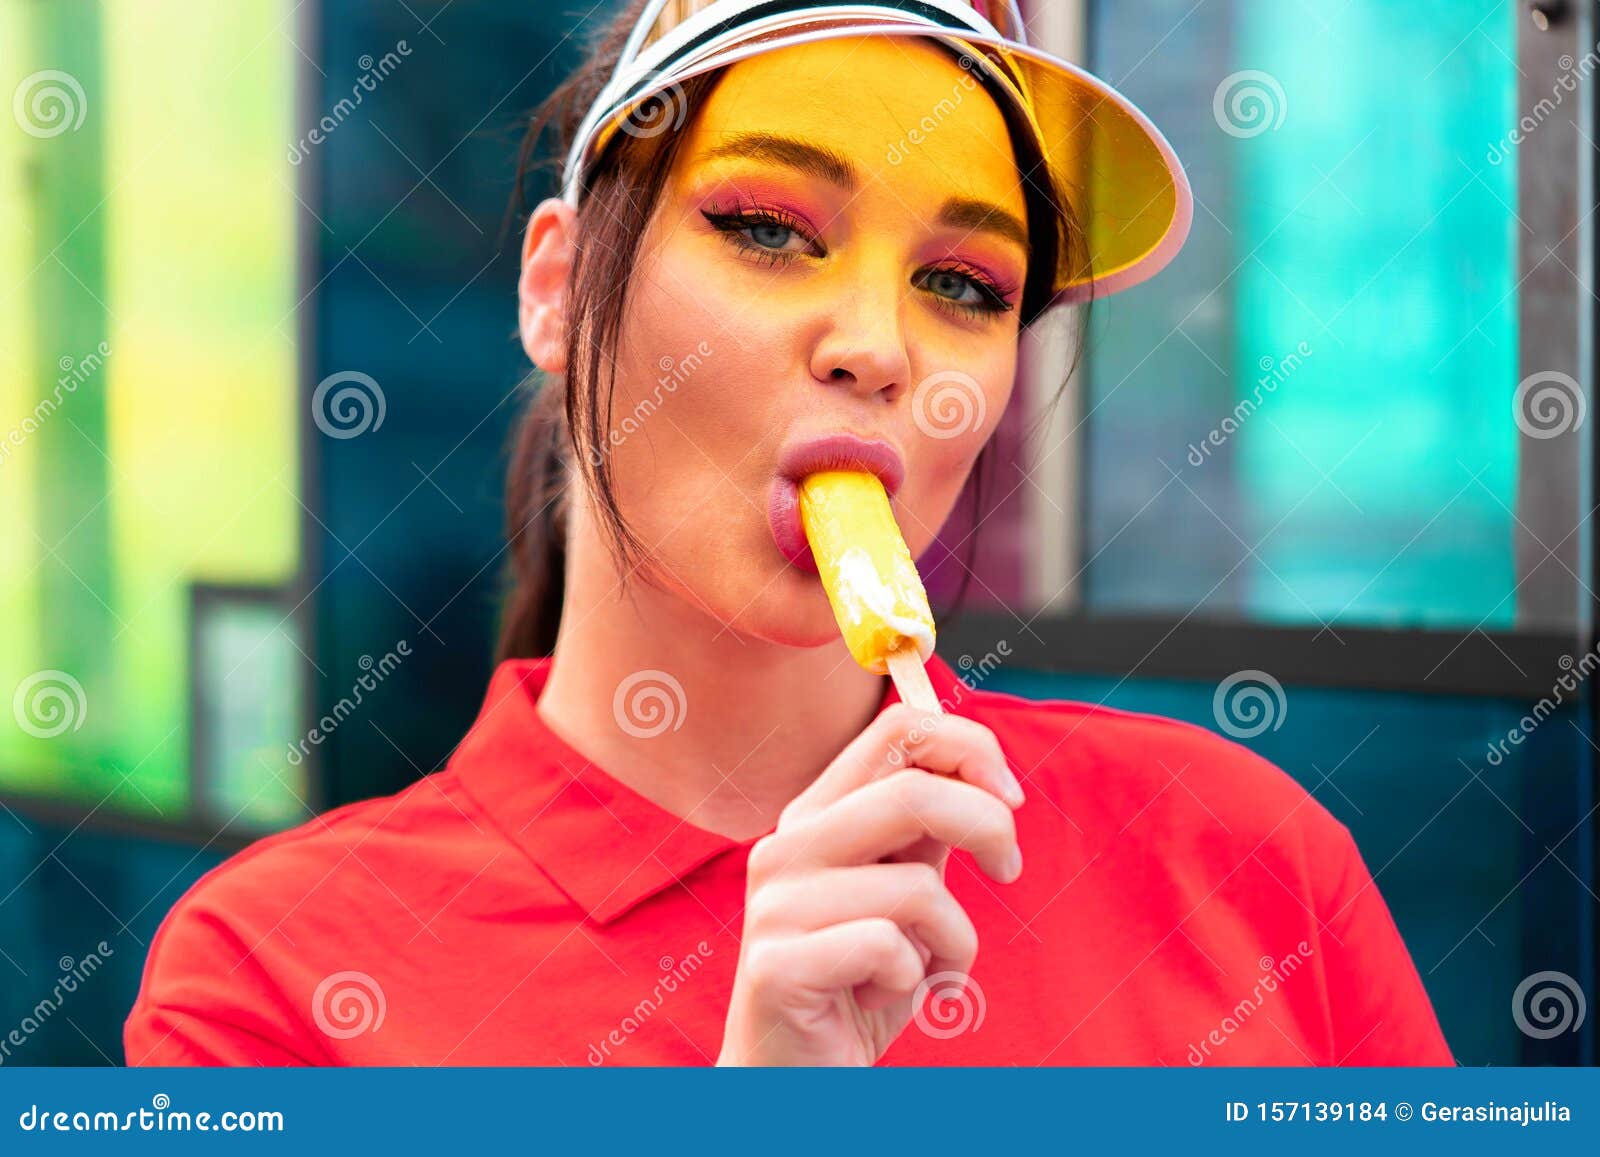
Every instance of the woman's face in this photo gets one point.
(839, 250)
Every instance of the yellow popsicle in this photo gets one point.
(866, 568)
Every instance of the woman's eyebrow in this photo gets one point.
(829, 165)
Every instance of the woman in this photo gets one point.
(698, 832)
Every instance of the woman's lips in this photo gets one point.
(836, 452)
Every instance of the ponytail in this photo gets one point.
(536, 528)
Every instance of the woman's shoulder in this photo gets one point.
(230, 972)
(322, 871)
(1128, 771)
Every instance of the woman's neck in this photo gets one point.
(718, 728)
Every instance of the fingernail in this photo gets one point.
(1012, 868)
(1013, 789)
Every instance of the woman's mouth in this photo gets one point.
(835, 452)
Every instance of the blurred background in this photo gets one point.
(1324, 485)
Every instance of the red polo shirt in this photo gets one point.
(1183, 901)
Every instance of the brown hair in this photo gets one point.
(566, 421)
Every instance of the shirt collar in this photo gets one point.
(602, 843)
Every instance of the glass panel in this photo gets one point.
(1308, 416)
(1471, 839)
(246, 676)
(148, 400)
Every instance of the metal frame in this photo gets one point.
(308, 194)
(1515, 665)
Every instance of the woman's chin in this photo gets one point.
(790, 609)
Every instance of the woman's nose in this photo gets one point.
(864, 346)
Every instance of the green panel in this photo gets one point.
(163, 227)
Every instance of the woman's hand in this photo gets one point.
(846, 908)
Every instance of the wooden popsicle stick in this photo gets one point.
(911, 680)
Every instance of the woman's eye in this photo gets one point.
(965, 291)
(762, 234)
(770, 235)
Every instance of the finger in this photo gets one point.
(913, 895)
(871, 951)
(894, 813)
(901, 737)
(927, 850)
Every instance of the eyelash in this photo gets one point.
(731, 224)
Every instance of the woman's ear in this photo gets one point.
(547, 251)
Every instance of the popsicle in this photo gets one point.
(872, 583)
